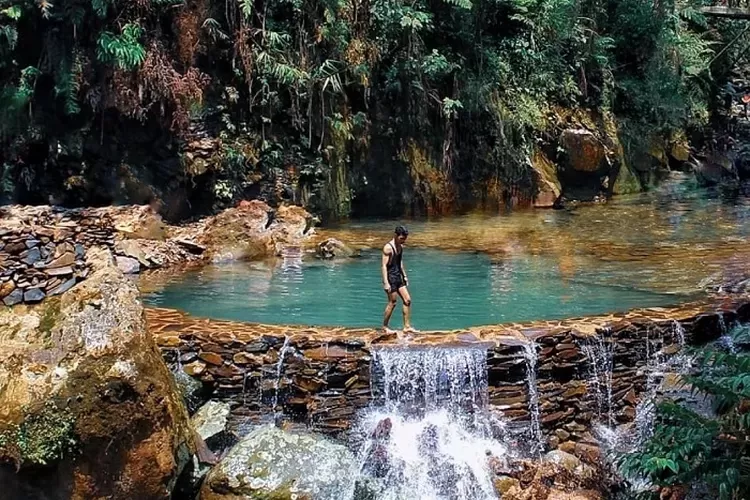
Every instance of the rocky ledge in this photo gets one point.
(43, 249)
(322, 376)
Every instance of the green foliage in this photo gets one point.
(123, 51)
(45, 436)
(686, 447)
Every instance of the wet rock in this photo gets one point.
(87, 389)
(714, 169)
(333, 248)
(271, 463)
(192, 391)
(566, 460)
(503, 484)
(210, 422)
(128, 265)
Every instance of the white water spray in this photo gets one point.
(432, 435)
(531, 358)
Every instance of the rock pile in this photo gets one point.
(43, 249)
(43, 253)
(587, 371)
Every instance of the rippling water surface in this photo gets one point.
(656, 249)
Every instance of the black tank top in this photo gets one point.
(394, 262)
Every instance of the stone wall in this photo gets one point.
(325, 375)
(43, 254)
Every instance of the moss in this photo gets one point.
(49, 316)
(45, 436)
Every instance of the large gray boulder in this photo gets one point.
(272, 463)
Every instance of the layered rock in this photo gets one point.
(321, 376)
(42, 252)
(87, 407)
(43, 249)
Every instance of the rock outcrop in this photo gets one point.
(332, 248)
(88, 409)
(272, 463)
(251, 230)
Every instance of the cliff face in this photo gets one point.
(345, 108)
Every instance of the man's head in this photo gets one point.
(401, 234)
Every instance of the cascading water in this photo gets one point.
(279, 368)
(429, 434)
(599, 352)
(531, 358)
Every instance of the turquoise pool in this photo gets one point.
(449, 289)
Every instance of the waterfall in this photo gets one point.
(531, 358)
(725, 340)
(279, 368)
(599, 354)
(429, 433)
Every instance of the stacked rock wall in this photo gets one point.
(44, 254)
(587, 371)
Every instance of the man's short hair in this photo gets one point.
(401, 231)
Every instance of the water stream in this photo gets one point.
(531, 358)
(279, 369)
(599, 352)
(429, 434)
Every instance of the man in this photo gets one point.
(395, 280)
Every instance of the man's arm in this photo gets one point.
(384, 266)
(403, 271)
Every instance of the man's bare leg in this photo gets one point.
(406, 298)
(389, 307)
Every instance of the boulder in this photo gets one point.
(85, 393)
(210, 422)
(250, 230)
(333, 248)
(714, 169)
(128, 265)
(272, 463)
(565, 460)
(584, 152)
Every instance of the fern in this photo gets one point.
(461, 4)
(124, 51)
(100, 7)
(686, 447)
(10, 35)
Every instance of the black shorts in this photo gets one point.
(396, 281)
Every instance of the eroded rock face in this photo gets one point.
(272, 463)
(251, 230)
(84, 391)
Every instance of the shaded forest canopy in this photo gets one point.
(347, 106)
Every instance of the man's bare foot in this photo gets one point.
(389, 331)
(410, 329)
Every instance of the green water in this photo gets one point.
(654, 249)
(449, 290)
